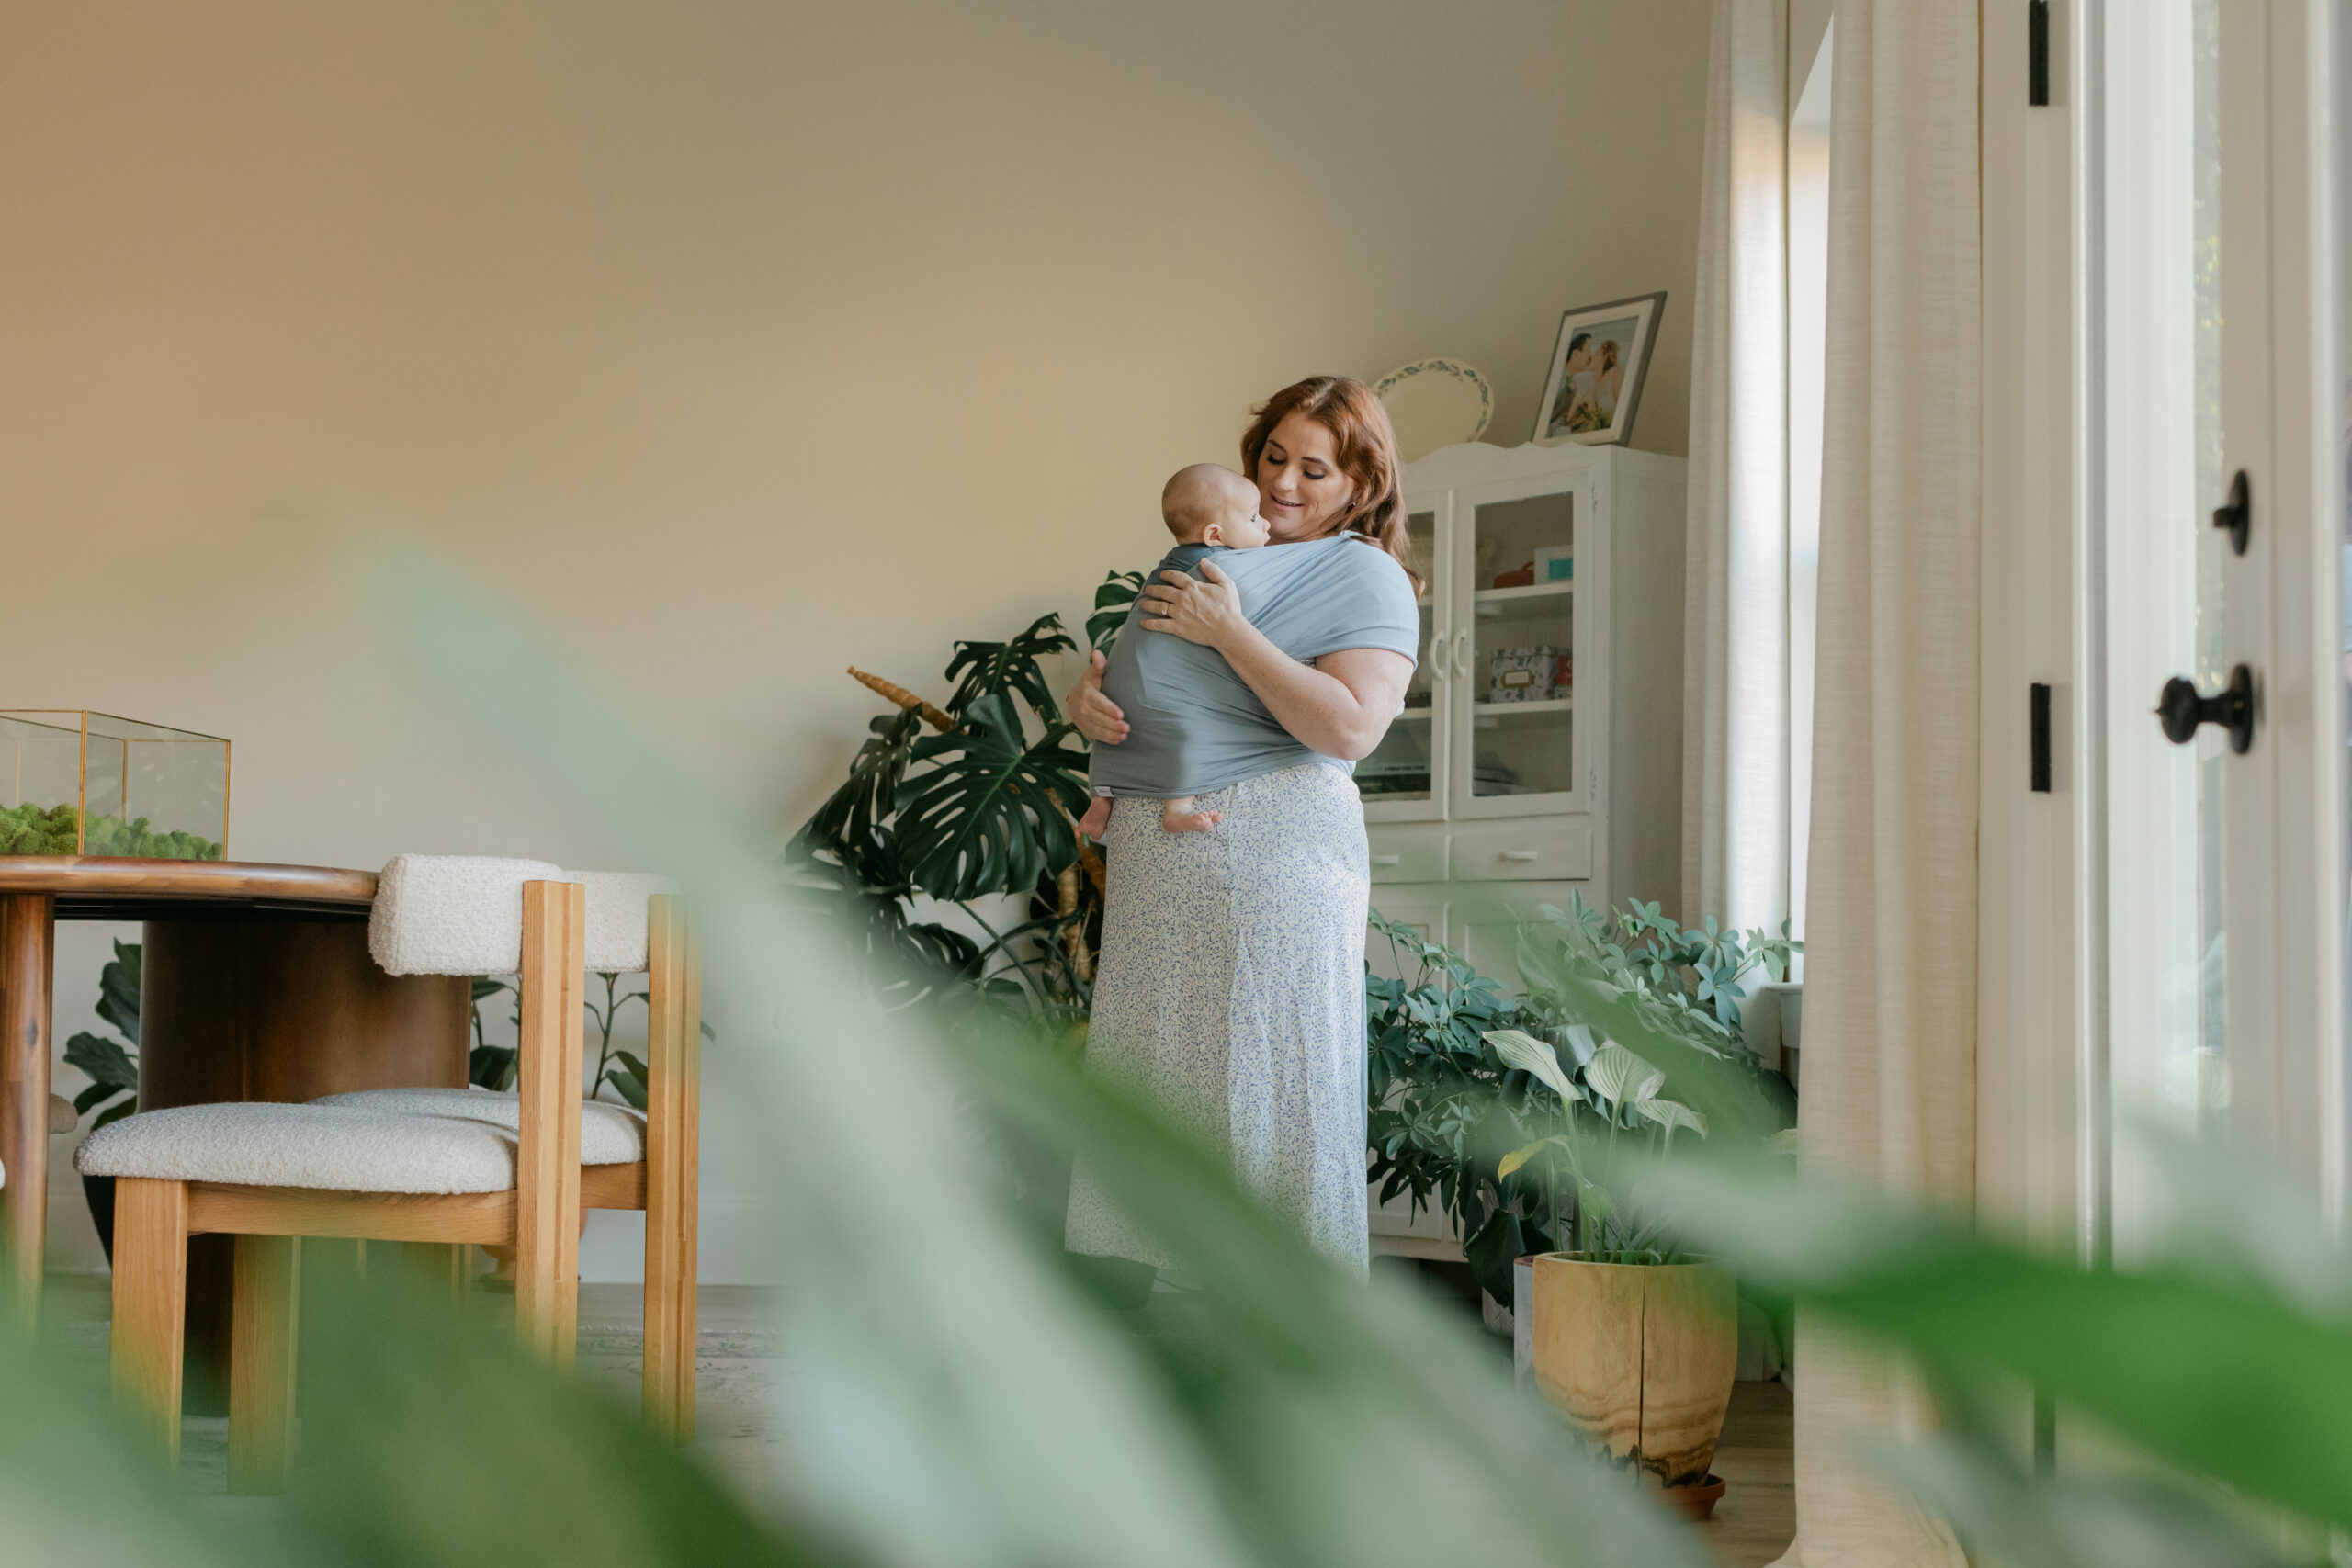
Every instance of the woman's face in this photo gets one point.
(1301, 491)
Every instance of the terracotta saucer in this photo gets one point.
(1698, 1499)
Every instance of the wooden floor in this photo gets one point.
(1757, 1517)
(740, 1364)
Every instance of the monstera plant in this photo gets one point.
(966, 802)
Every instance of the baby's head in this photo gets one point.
(1210, 504)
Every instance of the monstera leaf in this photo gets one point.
(989, 816)
(989, 668)
(1118, 596)
(851, 823)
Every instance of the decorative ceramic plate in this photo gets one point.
(1434, 404)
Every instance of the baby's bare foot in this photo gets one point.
(1190, 821)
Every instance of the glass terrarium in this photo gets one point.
(73, 783)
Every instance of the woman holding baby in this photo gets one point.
(1230, 991)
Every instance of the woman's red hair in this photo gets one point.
(1366, 447)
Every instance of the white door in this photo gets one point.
(2209, 630)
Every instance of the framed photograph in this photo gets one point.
(1598, 363)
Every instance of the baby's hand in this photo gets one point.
(1188, 821)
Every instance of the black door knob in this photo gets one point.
(2183, 710)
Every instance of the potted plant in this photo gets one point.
(959, 806)
(1444, 1107)
(1634, 1341)
(112, 1068)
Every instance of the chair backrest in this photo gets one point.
(453, 914)
(477, 915)
(618, 926)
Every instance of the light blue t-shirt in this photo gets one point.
(1195, 725)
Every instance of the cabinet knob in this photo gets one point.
(1388, 860)
(1520, 854)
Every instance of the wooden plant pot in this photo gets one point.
(1640, 1356)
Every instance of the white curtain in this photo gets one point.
(1889, 1089)
(1736, 671)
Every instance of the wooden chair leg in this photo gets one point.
(262, 1334)
(546, 1220)
(682, 1418)
(668, 1398)
(674, 1043)
(149, 1303)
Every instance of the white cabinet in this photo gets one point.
(1540, 749)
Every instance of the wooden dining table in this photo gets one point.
(255, 984)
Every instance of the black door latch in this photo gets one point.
(2183, 711)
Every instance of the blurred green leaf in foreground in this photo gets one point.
(954, 1393)
(2221, 1359)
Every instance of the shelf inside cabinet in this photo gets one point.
(1498, 597)
(1418, 713)
(1498, 710)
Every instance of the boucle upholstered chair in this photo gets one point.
(270, 1173)
(636, 923)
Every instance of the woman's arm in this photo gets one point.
(1340, 705)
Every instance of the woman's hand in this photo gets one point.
(1207, 613)
(1097, 716)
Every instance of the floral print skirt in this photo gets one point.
(1230, 995)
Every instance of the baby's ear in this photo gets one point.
(1212, 534)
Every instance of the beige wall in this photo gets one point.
(747, 340)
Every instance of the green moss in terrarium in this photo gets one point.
(113, 836)
(30, 830)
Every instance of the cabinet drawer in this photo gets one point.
(1547, 853)
(1408, 857)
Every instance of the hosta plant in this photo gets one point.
(1610, 1106)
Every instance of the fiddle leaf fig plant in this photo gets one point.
(112, 1069)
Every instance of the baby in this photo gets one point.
(1207, 507)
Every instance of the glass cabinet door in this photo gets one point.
(1404, 779)
(1516, 749)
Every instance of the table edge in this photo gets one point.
(99, 877)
